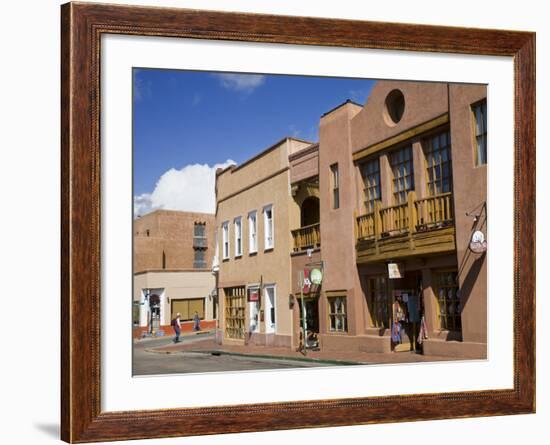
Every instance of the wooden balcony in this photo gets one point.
(307, 237)
(418, 227)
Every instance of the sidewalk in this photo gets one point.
(171, 335)
(209, 346)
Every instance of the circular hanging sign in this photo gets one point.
(316, 276)
(478, 243)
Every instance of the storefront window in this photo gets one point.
(448, 299)
(187, 308)
(337, 314)
(235, 300)
(377, 300)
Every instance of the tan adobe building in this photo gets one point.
(173, 253)
(254, 215)
(391, 206)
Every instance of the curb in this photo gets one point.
(148, 339)
(270, 357)
(282, 357)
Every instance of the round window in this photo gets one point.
(394, 107)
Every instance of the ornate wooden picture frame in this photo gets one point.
(82, 26)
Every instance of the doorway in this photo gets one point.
(270, 320)
(253, 310)
(154, 304)
(254, 316)
(406, 308)
(403, 329)
(309, 211)
(311, 306)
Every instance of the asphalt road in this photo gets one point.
(153, 363)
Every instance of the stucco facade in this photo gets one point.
(256, 188)
(165, 239)
(397, 183)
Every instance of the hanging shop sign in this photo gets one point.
(478, 244)
(254, 294)
(306, 282)
(396, 271)
(316, 276)
(309, 280)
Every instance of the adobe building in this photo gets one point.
(173, 253)
(391, 206)
(254, 216)
(417, 153)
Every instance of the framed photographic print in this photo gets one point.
(276, 222)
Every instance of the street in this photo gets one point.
(146, 362)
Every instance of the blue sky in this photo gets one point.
(189, 118)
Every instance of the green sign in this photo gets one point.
(316, 276)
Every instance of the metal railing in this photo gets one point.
(200, 241)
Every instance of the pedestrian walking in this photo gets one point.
(177, 327)
(196, 322)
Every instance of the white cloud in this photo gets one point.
(241, 82)
(190, 189)
(142, 204)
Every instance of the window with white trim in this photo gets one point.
(225, 240)
(269, 239)
(238, 236)
(252, 232)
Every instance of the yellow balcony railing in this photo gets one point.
(394, 219)
(434, 211)
(366, 226)
(415, 215)
(307, 237)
